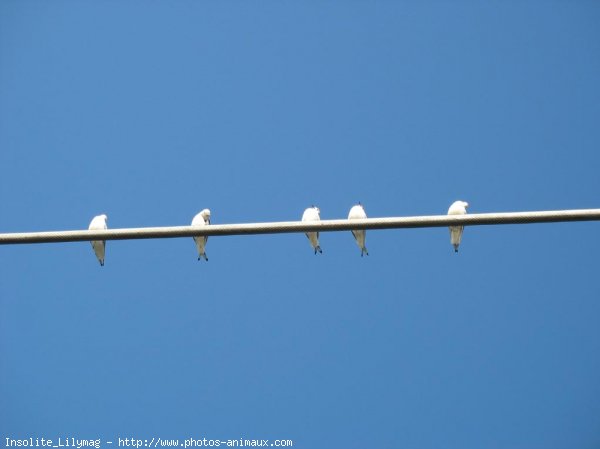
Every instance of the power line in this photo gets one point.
(426, 221)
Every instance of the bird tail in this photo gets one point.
(456, 233)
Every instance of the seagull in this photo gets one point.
(97, 223)
(201, 219)
(457, 208)
(312, 214)
(358, 213)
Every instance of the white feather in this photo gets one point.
(313, 214)
(358, 213)
(456, 232)
(201, 219)
(99, 246)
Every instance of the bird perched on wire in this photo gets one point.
(358, 213)
(99, 223)
(457, 208)
(313, 214)
(201, 219)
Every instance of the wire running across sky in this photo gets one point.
(426, 221)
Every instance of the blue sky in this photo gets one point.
(152, 111)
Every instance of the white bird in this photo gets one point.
(99, 222)
(358, 213)
(313, 214)
(457, 208)
(201, 219)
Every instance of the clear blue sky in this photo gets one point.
(152, 111)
